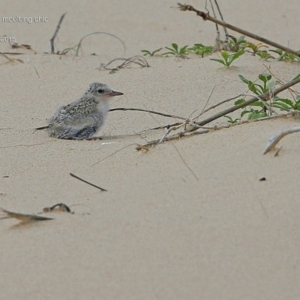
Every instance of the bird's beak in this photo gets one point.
(114, 93)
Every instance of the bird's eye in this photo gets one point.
(101, 91)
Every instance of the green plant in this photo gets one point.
(235, 44)
(285, 56)
(147, 52)
(231, 120)
(255, 110)
(255, 47)
(258, 109)
(286, 104)
(264, 54)
(175, 50)
(200, 49)
(260, 88)
(228, 59)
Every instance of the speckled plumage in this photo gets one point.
(82, 118)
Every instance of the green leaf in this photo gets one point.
(257, 115)
(286, 101)
(231, 120)
(278, 51)
(297, 105)
(237, 54)
(146, 52)
(260, 89)
(281, 106)
(183, 50)
(219, 60)
(175, 46)
(271, 84)
(257, 103)
(239, 101)
(297, 76)
(199, 45)
(225, 54)
(264, 77)
(245, 112)
(170, 49)
(244, 79)
(252, 87)
(170, 52)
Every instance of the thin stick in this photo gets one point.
(206, 16)
(222, 102)
(189, 168)
(170, 138)
(219, 10)
(207, 101)
(98, 187)
(13, 53)
(56, 32)
(217, 27)
(149, 111)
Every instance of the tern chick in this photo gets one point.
(82, 118)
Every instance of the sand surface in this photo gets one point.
(185, 220)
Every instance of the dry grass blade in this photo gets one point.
(22, 217)
(11, 59)
(77, 47)
(12, 53)
(137, 59)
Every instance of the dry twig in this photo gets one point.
(56, 32)
(96, 186)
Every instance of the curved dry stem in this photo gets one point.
(274, 140)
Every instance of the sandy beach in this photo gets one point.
(187, 219)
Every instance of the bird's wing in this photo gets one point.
(68, 114)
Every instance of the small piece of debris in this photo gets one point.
(263, 179)
(59, 207)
